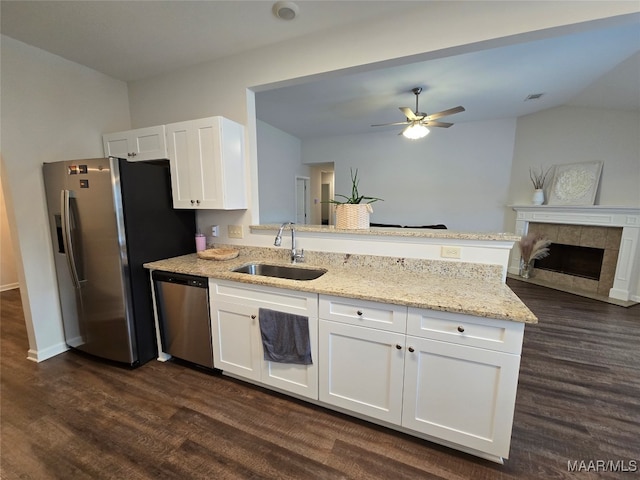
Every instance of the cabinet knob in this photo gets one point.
(359, 312)
(132, 154)
(461, 329)
(193, 202)
(411, 349)
(398, 347)
(253, 317)
(197, 202)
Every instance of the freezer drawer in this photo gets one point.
(183, 317)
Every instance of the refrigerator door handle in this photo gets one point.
(65, 207)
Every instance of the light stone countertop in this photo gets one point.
(471, 289)
(396, 232)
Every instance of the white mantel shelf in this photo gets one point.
(627, 276)
(602, 215)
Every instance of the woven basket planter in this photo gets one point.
(351, 216)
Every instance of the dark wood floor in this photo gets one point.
(74, 418)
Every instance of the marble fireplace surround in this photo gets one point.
(627, 271)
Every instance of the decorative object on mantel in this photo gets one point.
(538, 178)
(218, 253)
(532, 247)
(351, 213)
(575, 184)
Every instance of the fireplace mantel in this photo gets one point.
(626, 281)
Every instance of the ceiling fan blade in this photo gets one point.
(437, 124)
(408, 113)
(444, 113)
(389, 124)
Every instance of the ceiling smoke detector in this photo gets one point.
(285, 10)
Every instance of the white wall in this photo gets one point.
(448, 177)
(566, 135)
(279, 163)
(52, 109)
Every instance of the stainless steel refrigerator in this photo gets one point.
(107, 218)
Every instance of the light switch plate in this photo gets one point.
(235, 231)
(450, 252)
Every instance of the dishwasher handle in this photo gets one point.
(180, 279)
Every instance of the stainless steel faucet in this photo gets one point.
(295, 256)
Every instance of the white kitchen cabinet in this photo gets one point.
(461, 378)
(447, 376)
(363, 313)
(207, 164)
(136, 145)
(237, 343)
(362, 356)
(236, 339)
(361, 369)
(463, 395)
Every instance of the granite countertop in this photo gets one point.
(473, 289)
(397, 232)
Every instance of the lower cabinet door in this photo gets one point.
(361, 369)
(237, 346)
(298, 379)
(461, 394)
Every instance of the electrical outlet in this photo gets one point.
(450, 252)
(235, 231)
(214, 230)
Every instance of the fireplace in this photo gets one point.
(581, 257)
(586, 232)
(585, 262)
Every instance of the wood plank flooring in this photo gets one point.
(71, 417)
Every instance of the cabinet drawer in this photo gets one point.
(291, 301)
(392, 318)
(491, 334)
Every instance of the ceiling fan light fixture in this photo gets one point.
(415, 131)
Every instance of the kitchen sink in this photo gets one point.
(281, 271)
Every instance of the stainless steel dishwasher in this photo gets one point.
(182, 303)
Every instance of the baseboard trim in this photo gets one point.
(46, 353)
(9, 286)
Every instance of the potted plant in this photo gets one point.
(353, 212)
(538, 178)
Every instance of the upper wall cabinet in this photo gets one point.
(136, 145)
(207, 164)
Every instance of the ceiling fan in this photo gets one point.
(417, 122)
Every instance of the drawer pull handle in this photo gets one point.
(411, 349)
(461, 329)
(398, 347)
(359, 312)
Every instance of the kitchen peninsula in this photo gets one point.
(424, 346)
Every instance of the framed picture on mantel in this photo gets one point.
(575, 184)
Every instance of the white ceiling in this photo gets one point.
(133, 40)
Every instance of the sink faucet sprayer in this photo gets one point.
(295, 256)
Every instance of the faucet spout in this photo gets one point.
(295, 256)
